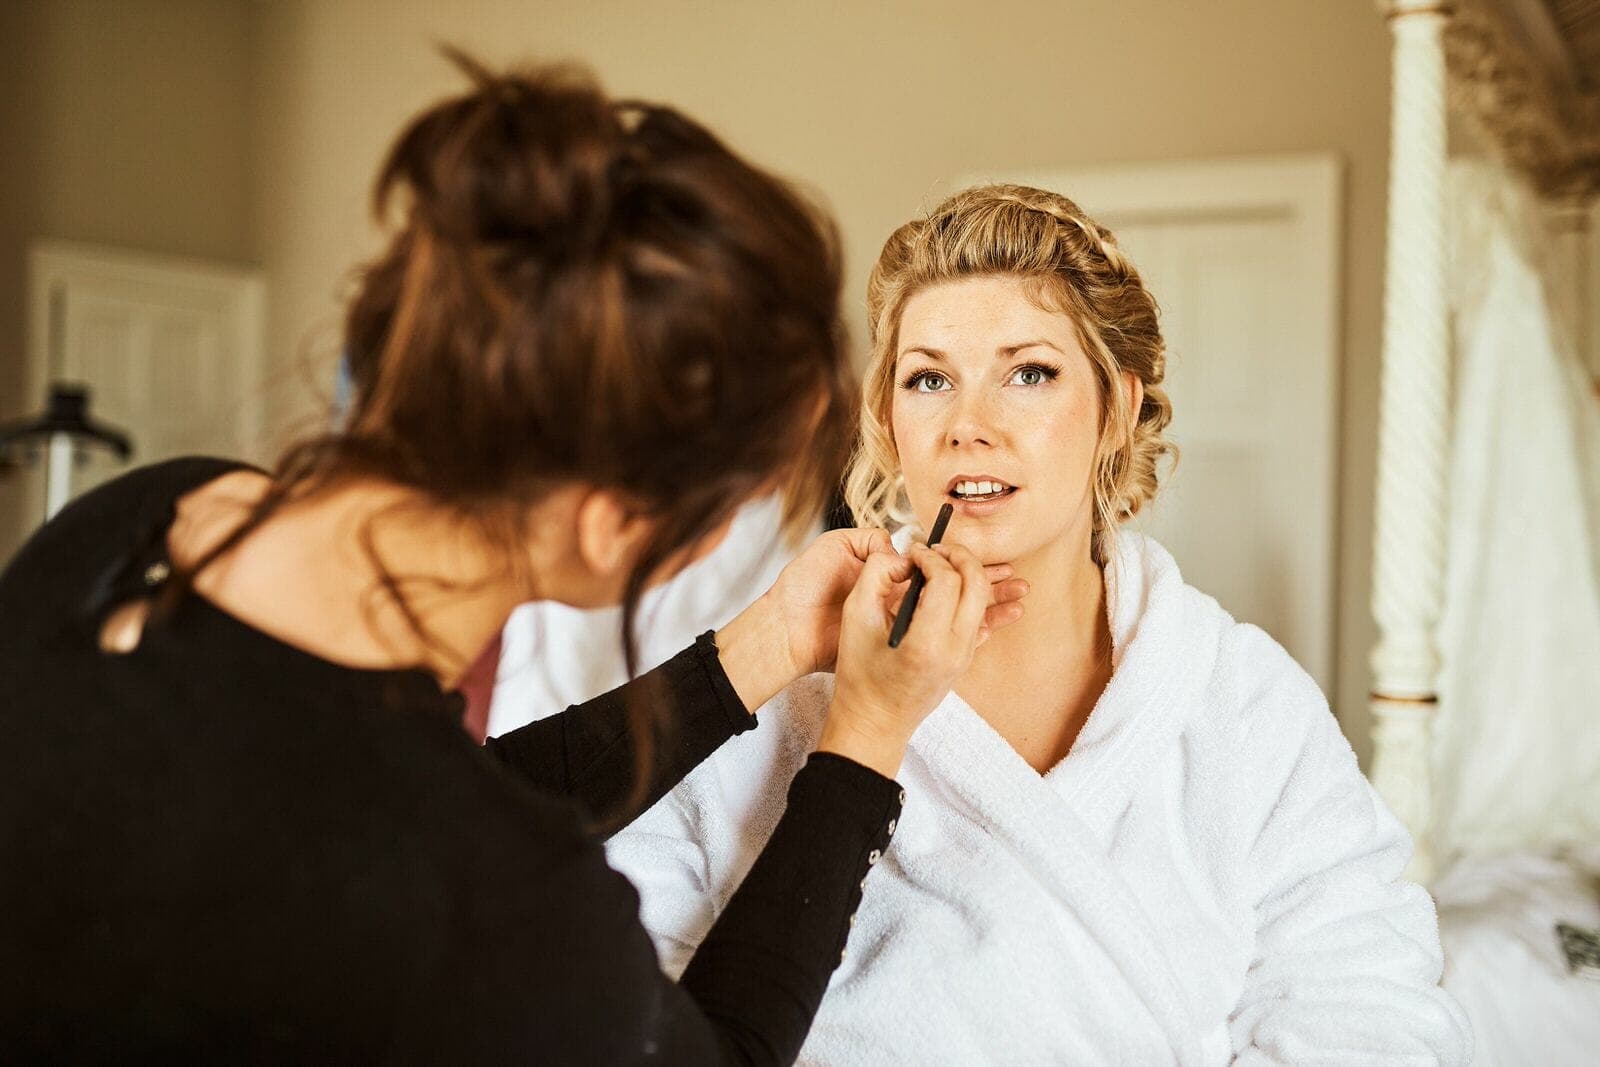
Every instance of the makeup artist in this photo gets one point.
(239, 818)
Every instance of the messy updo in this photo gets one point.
(1076, 268)
(583, 290)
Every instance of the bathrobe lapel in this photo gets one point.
(1165, 639)
(1062, 821)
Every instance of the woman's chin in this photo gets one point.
(990, 541)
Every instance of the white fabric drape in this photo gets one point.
(553, 655)
(1517, 743)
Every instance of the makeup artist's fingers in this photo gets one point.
(999, 616)
(1009, 590)
(1004, 589)
(866, 540)
(940, 596)
(882, 694)
(976, 592)
(880, 575)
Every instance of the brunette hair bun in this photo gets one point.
(583, 290)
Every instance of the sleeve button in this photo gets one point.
(892, 824)
(873, 857)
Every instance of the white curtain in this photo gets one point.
(1517, 743)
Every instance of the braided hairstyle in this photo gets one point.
(1077, 268)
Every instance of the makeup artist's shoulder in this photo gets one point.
(107, 515)
(143, 491)
(226, 494)
(173, 478)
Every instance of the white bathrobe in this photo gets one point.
(1206, 878)
(553, 655)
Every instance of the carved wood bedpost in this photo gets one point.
(1413, 426)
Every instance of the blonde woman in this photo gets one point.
(1136, 834)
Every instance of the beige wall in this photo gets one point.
(121, 123)
(249, 130)
(873, 106)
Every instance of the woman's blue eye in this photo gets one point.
(1032, 375)
(926, 382)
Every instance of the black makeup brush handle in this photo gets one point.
(902, 618)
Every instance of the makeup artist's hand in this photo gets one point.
(810, 594)
(793, 629)
(882, 694)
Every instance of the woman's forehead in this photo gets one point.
(981, 316)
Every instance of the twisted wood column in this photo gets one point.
(1413, 427)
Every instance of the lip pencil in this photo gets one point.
(902, 618)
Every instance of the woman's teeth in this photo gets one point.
(980, 490)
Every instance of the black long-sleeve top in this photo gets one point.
(221, 847)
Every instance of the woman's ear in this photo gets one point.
(609, 532)
(1134, 386)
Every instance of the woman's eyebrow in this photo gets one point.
(1011, 350)
(1002, 351)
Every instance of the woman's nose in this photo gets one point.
(970, 423)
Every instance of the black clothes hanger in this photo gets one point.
(68, 413)
(64, 426)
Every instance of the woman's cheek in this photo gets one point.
(910, 440)
(1073, 424)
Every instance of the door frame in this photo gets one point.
(54, 266)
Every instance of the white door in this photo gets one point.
(1243, 258)
(169, 349)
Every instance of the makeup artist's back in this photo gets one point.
(240, 833)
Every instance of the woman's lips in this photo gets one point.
(979, 508)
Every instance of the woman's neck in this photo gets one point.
(1038, 680)
(1064, 627)
(307, 578)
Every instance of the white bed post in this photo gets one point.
(1409, 535)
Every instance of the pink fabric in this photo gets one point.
(477, 685)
